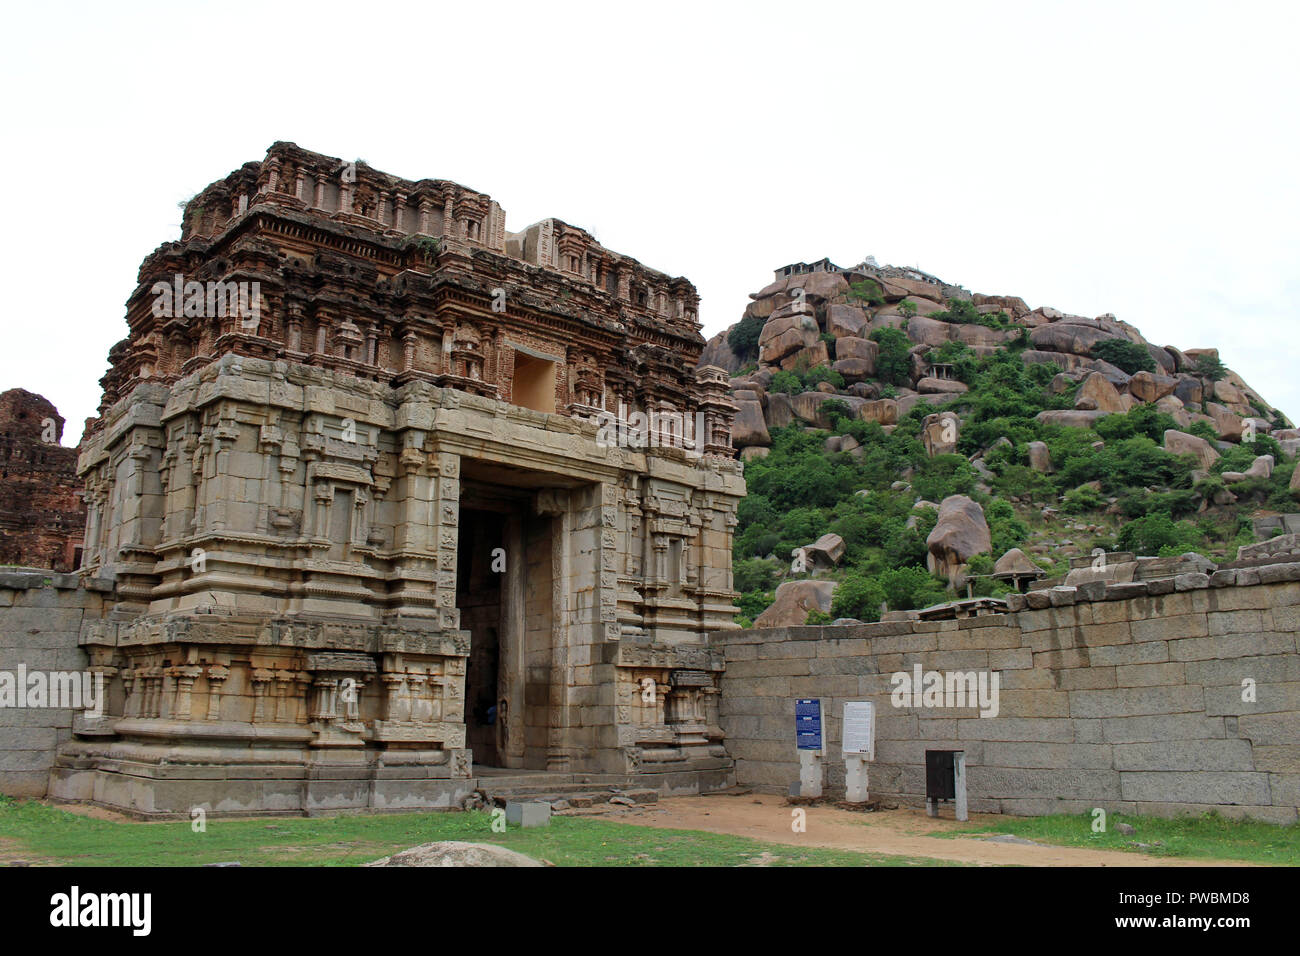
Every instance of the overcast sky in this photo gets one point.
(1134, 158)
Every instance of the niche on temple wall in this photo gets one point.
(365, 203)
(338, 516)
(587, 386)
(467, 354)
(534, 382)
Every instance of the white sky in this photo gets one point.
(1135, 158)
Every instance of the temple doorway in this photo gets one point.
(504, 578)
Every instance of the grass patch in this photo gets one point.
(1207, 836)
(46, 834)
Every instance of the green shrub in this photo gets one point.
(910, 588)
(965, 312)
(786, 383)
(1124, 355)
(1006, 531)
(755, 603)
(1081, 499)
(836, 411)
(1142, 420)
(1207, 366)
(822, 373)
(866, 291)
(951, 352)
(943, 475)
(893, 364)
(858, 596)
(1156, 533)
(743, 337)
(816, 616)
(754, 574)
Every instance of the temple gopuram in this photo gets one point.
(359, 525)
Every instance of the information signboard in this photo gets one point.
(808, 724)
(859, 729)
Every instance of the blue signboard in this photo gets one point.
(808, 724)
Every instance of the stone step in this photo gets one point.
(581, 798)
(508, 781)
(548, 788)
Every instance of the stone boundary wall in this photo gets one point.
(40, 624)
(1127, 697)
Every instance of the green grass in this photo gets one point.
(1208, 836)
(45, 834)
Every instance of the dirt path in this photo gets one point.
(894, 832)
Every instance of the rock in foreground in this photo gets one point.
(453, 853)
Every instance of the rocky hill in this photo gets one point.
(908, 442)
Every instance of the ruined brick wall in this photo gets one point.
(1131, 701)
(40, 624)
(42, 513)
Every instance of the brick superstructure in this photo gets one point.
(42, 512)
(393, 281)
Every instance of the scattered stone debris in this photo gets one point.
(1011, 838)
(869, 806)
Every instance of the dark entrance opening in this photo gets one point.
(478, 592)
(511, 547)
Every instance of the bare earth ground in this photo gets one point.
(896, 832)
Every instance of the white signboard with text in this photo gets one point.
(859, 729)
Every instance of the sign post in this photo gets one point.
(808, 741)
(859, 746)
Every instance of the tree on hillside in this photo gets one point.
(1209, 367)
(893, 364)
(743, 337)
(1125, 355)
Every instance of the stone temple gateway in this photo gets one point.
(357, 527)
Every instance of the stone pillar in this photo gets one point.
(557, 750)
(448, 219)
(447, 517)
(959, 778)
(322, 331)
(261, 679)
(217, 675)
(372, 345)
(184, 678)
(512, 662)
(408, 351)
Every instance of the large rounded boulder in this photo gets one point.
(960, 533)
